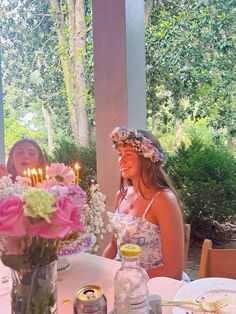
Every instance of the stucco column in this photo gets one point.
(119, 68)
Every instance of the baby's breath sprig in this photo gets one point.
(93, 217)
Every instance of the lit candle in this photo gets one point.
(35, 177)
(77, 169)
(40, 172)
(25, 173)
(28, 172)
(29, 176)
(46, 173)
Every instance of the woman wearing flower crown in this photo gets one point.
(147, 209)
(25, 153)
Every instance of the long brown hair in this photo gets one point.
(10, 165)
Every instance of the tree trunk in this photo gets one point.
(48, 123)
(179, 132)
(80, 43)
(230, 140)
(72, 46)
(148, 10)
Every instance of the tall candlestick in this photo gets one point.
(77, 169)
(35, 176)
(40, 172)
(29, 176)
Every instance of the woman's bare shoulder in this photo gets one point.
(166, 210)
(166, 196)
(166, 201)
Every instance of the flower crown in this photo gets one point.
(144, 146)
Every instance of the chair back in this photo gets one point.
(217, 262)
(187, 232)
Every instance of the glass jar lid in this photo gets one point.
(130, 249)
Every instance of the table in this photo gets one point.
(89, 269)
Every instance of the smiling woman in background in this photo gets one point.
(24, 154)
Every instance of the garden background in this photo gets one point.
(48, 92)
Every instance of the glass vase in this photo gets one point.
(34, 291)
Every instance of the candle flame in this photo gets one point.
(34, 172)
(77, 166)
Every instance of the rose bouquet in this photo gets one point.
(35, 222)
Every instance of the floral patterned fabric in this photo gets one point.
(131, 229)
(142, 232)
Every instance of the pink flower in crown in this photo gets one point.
(12, 220)
(61, 173)
(64, 220)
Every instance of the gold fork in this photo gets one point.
(206, 306)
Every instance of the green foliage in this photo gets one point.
(190, 55)
(15, 131)
(191, 130)
(32, 72)
(205, 177)
(69, 153)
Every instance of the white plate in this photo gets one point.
(207, 289)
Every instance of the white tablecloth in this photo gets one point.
(89, 269)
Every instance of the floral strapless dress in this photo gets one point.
(131, 229)
(138, 230)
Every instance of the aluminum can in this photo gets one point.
(91, 300)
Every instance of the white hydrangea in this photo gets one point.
(8, 188)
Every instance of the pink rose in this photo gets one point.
(64, 220)
(12, 220)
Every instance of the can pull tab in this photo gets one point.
(90, 294)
